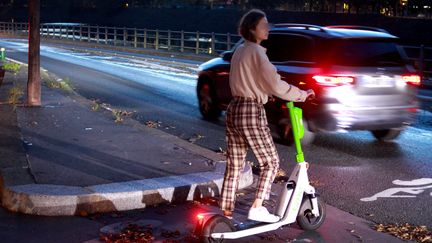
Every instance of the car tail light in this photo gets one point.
(333, 80)
(412, 79)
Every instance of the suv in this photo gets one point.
(360, 75)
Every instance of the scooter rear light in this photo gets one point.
(200, 217)
(333, 80)
(414, 80)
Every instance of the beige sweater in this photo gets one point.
(252, 75)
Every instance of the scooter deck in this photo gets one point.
(248, 224)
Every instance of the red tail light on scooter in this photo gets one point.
(333, 80)
(200, 217)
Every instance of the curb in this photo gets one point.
(57, 200)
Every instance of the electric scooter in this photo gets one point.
(298, 201)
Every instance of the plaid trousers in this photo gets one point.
(247, 127)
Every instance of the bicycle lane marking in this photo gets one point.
(413, 188)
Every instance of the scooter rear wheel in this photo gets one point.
(306, 219)
(216, 224)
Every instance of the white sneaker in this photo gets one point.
(262, 215)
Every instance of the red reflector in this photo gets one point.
(333, 80)
(223, 73)
(412, 79)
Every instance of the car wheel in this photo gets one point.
(387, 134)
(207, 101)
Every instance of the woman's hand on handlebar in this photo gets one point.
(310, 94)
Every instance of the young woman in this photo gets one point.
(252, 80)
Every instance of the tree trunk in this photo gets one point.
(34, 84)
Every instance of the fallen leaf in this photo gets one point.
(152, 124)
(406, 232)
(83, 213)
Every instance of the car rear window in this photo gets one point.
(366, 53)
(289, 48)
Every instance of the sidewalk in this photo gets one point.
(176, 223)
(66, 159)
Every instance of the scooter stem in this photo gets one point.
(297, 128)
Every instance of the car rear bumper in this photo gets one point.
(338, 117)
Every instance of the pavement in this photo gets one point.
(70, 157)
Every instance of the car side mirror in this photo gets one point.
(227, 55)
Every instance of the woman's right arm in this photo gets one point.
(272, 82)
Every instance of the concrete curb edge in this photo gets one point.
(57, 200)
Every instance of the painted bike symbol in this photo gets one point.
(414, 187)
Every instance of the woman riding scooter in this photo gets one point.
(252, 80)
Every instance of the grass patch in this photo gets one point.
(63, 84)
(95, 105)
(119, 115)
(15, 93)
(12, 67)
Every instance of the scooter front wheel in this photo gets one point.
(216, 224)
(306, 219)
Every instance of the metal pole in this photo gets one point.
(228, 41)
(212, 44)
(135, 38)
(97, 34)
(169, 39)
(106, 35)
(115, 36)
(73, 33)
(197, 43)
(124, 36)
(157, 40)
(421, 62)
(182, 41)
(145, 38)
(88, 34)
(33, 84)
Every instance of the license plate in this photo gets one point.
(377, 81)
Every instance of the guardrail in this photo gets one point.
(181, 41)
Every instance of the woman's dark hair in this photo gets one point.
(249, 22)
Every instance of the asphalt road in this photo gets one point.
(381, 182)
